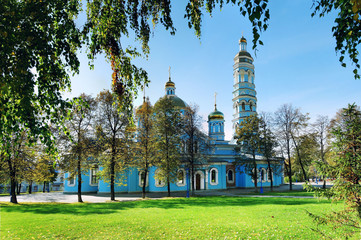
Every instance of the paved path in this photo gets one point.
(96, 198)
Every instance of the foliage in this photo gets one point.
(168, 121)
(113, 137)
(80, 148)
(38, 47)
(249, 140)
(287, 120)
(145, 150)
(346, 170)
(174, 218)
(347, 28)
(268, 146)
(196, 146)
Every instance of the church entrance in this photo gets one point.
(198, 181)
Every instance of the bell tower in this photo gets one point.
(244, 93)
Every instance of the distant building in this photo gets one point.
(220, 171)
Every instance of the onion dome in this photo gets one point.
(216, 115)
(169, 84)
(177, 102)
(242, 40)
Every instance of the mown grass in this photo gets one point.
(300, 193)
(175, 218)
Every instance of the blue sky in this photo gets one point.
(297, 64)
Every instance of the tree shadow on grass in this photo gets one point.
(175, 203)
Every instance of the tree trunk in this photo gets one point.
(44, 186)
(299, 159)
(289, 164)
(79, 181)
(18, 190)
(12, 182)
(168, 183)
(30, 187)
(255, 175)
(192, 179)
(112, 174)
(144, 182)
(324, 182)
(270, 173)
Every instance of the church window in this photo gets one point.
(263, 174)
(141, 177)
(243, 106)
(181, 177)
(250, 106)
(214, 176)
(269, 173)
(71, 181)
(93, 176)
(230, 176)
(158, 181)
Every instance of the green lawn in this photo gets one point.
(178, 218)
(285, 193)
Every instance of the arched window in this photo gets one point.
(269, 173)
(181, 177)
(257, 175)
(263, 174)
(243, 106)
(141, 177)
(93, 176)
(214, 176)
(230, 176)
(250, 106)
(158, 182)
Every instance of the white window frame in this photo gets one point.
(210, 176)
(140, 179)
(156, 183)
(72, 185)
(184, 178)
(265, 176)
(256, 175)
(233, 175)
(91, 176)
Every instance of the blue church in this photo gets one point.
(220, 171)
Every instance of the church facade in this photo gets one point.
(223, 168)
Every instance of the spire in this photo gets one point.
(215, 101)
(169, 74)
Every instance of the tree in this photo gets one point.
(321, 130)
(298, 136)
(145, 150)
(268, 144)
(346, 170)
(169, 139)
(45, 169)
(248, 139)
(38, 47)
(196, 146)
(286, 119)
(111, 126)
(79, 148)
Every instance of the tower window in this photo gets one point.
(243, 106)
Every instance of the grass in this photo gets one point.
(173, 218)
(301, 193)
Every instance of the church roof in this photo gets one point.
(177, 102)
(244, 53)
(216, 115)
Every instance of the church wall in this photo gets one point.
(85, 186)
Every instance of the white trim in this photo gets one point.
(265, 177)
(210, 176)
(91, 176)
(228, 181)
(72, 185)
(184, 178)
(140, 180)
(157, 184)
(202, 179)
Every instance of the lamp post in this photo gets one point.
(260, 178)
